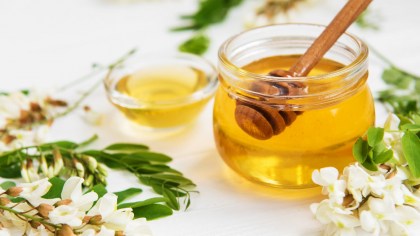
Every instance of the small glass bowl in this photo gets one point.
(160, 90)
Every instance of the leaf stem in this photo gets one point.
(37, 219)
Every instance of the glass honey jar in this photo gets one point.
(279, 138)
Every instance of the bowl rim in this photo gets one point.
(186, 59)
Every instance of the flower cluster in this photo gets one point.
(24, 211)
(25, 118)
(381, 202)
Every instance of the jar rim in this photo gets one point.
(357, 62)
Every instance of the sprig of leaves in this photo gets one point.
(403, 99)
(209, 12)
(197, 44)
(372, 151)
(403, 94)
(151, 168)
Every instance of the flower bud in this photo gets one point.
(96, 220)
(88, 181)
(14, 191)
(4, 201)
(119, 233)
(63, 202)
(80, 169)
(32, 171)
(65, 230)
(24, 172)
(92, 164)
(34, 224)
(58, 161)
(86, 219)
(44, 166)
(102, 169)
(44, 210)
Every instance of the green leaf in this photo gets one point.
(100, 190)
(10, 171)
(56, 188)
(167, 179)
(209, 12)
(151, 212)
(128, 147)
(152, 169)
(145, 156)
(158, 189)
(142, 203)
(368, 164)
(128, 193)
(7, 184)
(411, 127)
(396, 77)
(198, 44)
(360, 150)
(171, 199)
(60, 144)
(383, 157)
(411, 150)
(375, 136)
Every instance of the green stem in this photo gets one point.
(87, 142)
(33, 218)
(383, 58)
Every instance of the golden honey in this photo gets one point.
(317, 138)
(153, 86)
(162, 91)
(335, 108)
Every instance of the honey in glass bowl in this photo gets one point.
(162, 91)
(335, 109)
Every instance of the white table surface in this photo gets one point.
(47, 43)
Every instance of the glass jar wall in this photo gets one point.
(279, 138)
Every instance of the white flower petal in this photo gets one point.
(392, 122)
(138, 227)
(72, 188)
(104, 206)
(65, 214)
(368, 222)
(118, 219)
(106, 232)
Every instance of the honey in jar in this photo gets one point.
(335, 109)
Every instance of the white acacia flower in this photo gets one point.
(393, 189)
(412, 199)
(339, 221)
(40, 231)
(114, 219)
(360, 183)
(89, 232)
(377, 217)
(106, 232)
(406, 221)
(104, 206)
(34, 191)
(328, 178)
(73, 190)
(138, 227)
(392, 138)
(66, 214)
(118, 219)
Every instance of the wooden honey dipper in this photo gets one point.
(262, 121)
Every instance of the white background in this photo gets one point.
(47, 43)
